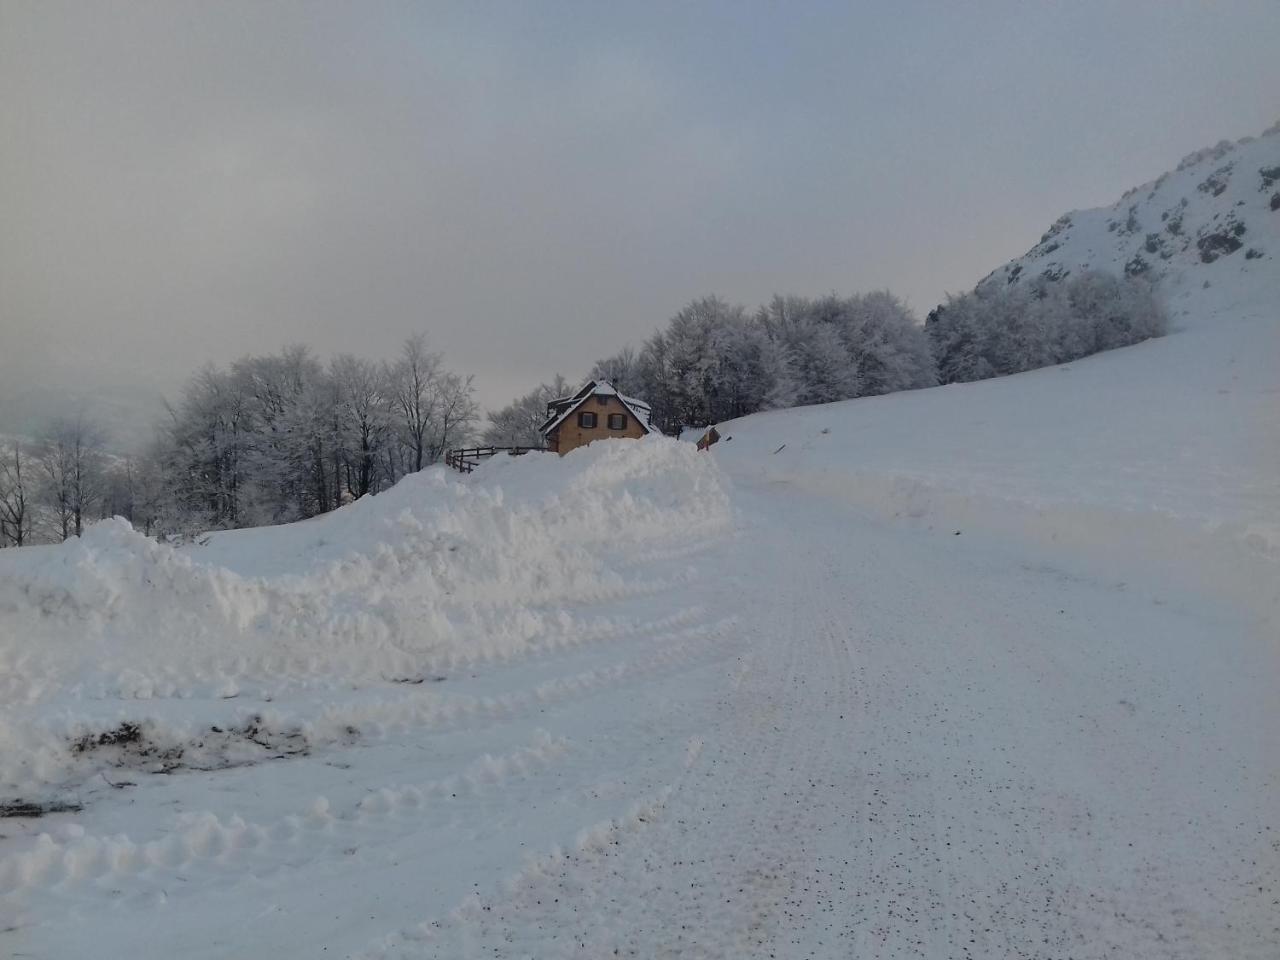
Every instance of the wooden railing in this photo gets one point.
(467, 459)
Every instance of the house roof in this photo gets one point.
(596, 388)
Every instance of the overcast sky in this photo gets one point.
(536, 184)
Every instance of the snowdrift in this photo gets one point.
(437, 571)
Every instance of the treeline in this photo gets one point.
(715, 361)
(1001, 329)
(269, 439)
(51, 488)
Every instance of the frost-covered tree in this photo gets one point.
(710, 363)
(956, 336)
(997, 330)
(1113, 311)
(456, 413)
(364, 418)
(681, 392)
(880, 346)
(72, 468)
(820, 366)
(738, 378)
(206, 450)
(622, 370)
(16, 500)
(888, 346)
(276, 389)
(414, 386)
(713, 362)
(136, 490)
(280, 437)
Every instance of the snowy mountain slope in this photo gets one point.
(1219, 208)
(1176, 440)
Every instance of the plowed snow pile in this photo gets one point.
(397, 587)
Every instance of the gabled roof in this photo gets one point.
(595, 388)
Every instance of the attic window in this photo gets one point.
(601, 401)
(617, 421)
(587, 419)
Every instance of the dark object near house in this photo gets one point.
(707, 439)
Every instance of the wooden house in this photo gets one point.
(595, 412)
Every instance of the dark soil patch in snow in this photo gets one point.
(27, 808)
(126, 733)
(129, 746)
(281, 744)
(138, 746)
(416, 680)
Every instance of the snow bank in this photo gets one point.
(437, 571)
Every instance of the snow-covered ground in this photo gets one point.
(985, 670)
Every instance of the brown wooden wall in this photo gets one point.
(569, 436)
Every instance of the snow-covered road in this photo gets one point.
(829, 735)
(927, 745)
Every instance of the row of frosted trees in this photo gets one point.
(715, 361)
(284, 437)
(267, 440)
(51, 487)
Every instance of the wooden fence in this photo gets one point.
(467, 459)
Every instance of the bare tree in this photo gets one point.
(120, 490)
(72, 465)
(456, 413)
(15, 517)
(208, 442)
(622, 370)
(517, 424)
(415, 395)
(364, 413)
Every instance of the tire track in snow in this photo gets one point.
(361, 719)
(676, 654)
(231, 845)
(715, 872)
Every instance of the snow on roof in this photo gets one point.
(598, 388)
(633, 402)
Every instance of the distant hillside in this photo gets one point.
(127, 413)
(1215, 216)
